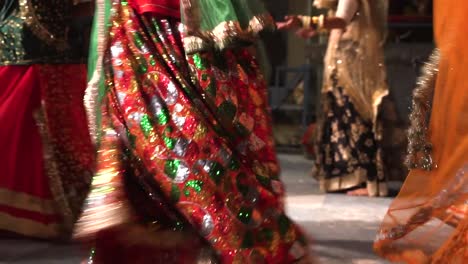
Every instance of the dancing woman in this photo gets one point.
(348, 151)
(186, 165)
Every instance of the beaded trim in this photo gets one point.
(92, 90)
(27, 11)
(227, 34)
(419, 148)
(53, 173)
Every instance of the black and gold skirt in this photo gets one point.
(348, 149)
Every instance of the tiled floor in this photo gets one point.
(341, 227)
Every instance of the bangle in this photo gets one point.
(321, 22)
(315, 20)
(306, 21)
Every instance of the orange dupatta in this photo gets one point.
(428, 221)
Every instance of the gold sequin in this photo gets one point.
(419, 149)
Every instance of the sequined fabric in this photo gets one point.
(419, 149)
(242, 112)
(46, 154)
(357, 56)
(348, 151)
(112, 209)
(354, 86)
(197, 131)
(221, 24)
(33, 32)
(68, 151)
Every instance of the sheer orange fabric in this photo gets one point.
(427, 223)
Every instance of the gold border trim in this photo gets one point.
(53, 171)
(31, 20)
(227, 34)
(28, 227)
(106, 205)
(27, 202)
(193, 44)
(359, 176)
(377, 189)
(92, 89)
(339, 183)
(48, 60)
(419, 146)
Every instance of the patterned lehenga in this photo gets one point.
(349, 154)
(187, 170)
(46, 154)
(347, 133)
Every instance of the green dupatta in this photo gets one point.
(221, 24)
(95, 91)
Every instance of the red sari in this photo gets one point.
(45, 151)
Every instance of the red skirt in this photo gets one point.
(44, 146)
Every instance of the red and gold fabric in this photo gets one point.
(193, 143)
(167, 8)
(45, 153)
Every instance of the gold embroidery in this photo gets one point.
(194, 44)
(106, 205)
(53, 173)
(343, 182)
(28, 227)
(226, 34)
(68, 154)
(27, 12)
(92, 90)
(359, 176)
(27, 202)
(419, 149)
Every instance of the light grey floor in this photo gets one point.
(342, 227)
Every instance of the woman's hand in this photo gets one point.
(306, 33)
(290, 22)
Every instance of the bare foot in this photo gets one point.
(358, 192)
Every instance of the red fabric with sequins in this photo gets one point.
(169, 8)
(200, 127)
(45, 173)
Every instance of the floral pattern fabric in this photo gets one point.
(348, 149)
(198, 130)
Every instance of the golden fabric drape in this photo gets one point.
(357, 56)
(427, 223)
